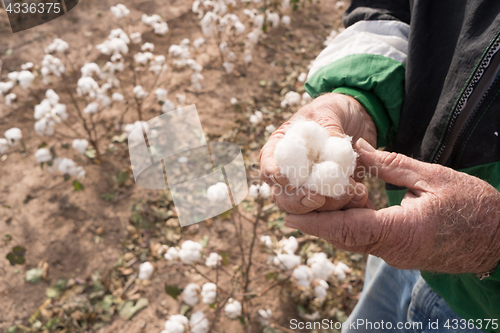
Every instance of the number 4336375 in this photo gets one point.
(33, 8)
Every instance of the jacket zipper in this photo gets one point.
(466, 108)
(456, 155)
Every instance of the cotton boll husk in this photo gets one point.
(190, 294)
(145, 271)
(339, 150)
(292, 158)
(303, 275)
(199, 323)
(209, 293)
(328, 178)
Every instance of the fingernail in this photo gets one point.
(274, 180)
(310, 203)
(290, 225)
(365, 146)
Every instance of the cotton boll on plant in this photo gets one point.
(172, 253)
(4, 145)
(289, 245)
(190, 294)
(303, 275)
(253, 191)
(209, 293)
(265, 191)
(136, 38)
(286, 261)
(117, 97)
(266, 240)
(80, 145)
(340, 270)
(320, 291)
(198, 323)
(321, 267)
(42, 155)
(217, 192)
(176, 324)
(25, 78)
(13, 136)
(190, 252)
(120, 11)
(256, 117)
(145, 271)
(233, 309)
(213, 260)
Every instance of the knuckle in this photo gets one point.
(394, 160)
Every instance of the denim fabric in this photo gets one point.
(395, 300)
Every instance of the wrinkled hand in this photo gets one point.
(447, 222)
(340, 115)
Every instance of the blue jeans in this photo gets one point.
(395, 300)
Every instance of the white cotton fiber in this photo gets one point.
(291, 156)
(309, 157)
(339, 150)
(327, 178)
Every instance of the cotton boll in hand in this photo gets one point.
(145, 271)
(209, 293)
(292, 157)
(190, 294)
(328, 178)
(339, 150)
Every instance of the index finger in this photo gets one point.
(353, 227)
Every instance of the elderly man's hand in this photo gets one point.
(340, 115)
(447, 222)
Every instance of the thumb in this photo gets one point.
(393, 168)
